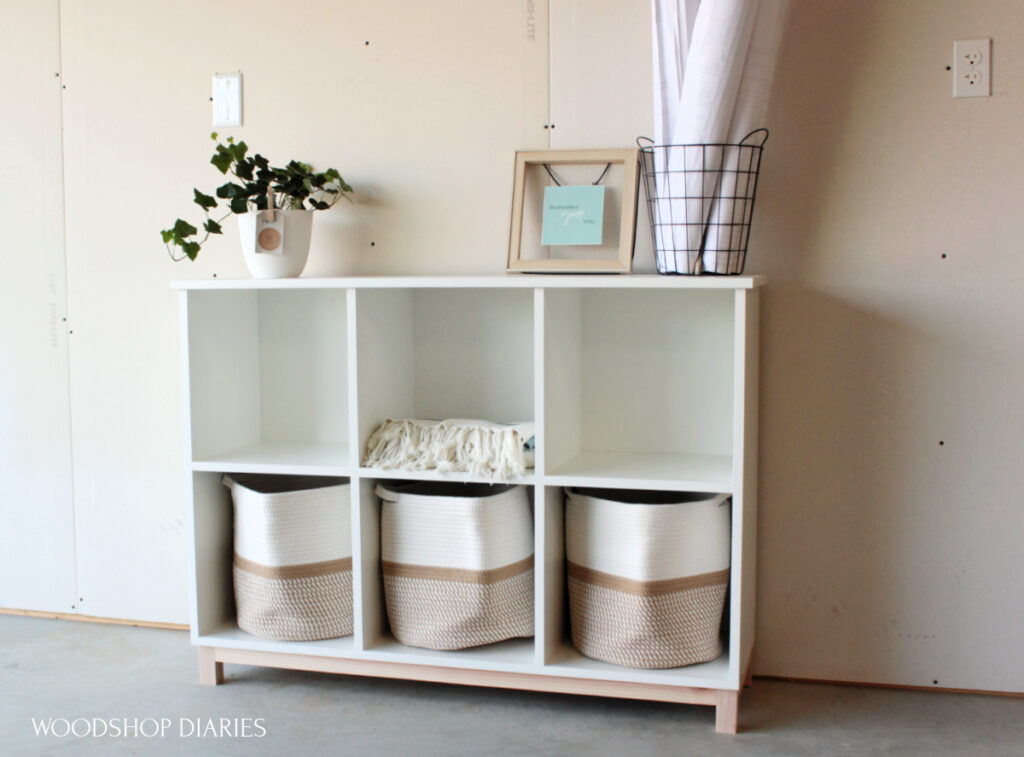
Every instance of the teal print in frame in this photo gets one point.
(573, 215)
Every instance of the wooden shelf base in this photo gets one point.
(726, 703)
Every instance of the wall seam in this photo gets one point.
(76, 598)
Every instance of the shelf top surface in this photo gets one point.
(498, 281)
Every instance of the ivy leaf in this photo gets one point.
(244, 169)
(318, 204)
(222, 159)
(230, 190)
(204, 201)
(212, 226)
(167, 235)
(191, 249)
(239, 205)
(183, 229)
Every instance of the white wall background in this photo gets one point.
(885, 556)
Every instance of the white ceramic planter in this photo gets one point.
(289, 256)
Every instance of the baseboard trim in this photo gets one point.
(791, 679)
(94, 619)
(905, 687)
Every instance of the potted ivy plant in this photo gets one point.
(274, 207)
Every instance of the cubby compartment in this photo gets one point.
(559, 655)
(268, 380)
(438, 353)
(374, 635)
(213, 612)
(639, 387)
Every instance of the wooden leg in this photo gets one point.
(727, 711)
(211, 672)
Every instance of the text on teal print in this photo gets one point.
(573, 215)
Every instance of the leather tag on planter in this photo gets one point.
(270, 234)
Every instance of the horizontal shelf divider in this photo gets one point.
(514, 655)
(253, 460)
(432, 475)
(668, 485)
(645, 470)
(495, 281)
(299, 458)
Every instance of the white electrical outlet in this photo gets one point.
(972, 68)
(227, 99)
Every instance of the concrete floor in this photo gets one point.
(64, 669)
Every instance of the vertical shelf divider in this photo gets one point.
(540, 567)
(360, 611)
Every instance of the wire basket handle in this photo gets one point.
(757, 138)
(762, 137)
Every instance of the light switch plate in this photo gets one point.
(227, 99)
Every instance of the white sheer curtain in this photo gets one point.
(713, 67)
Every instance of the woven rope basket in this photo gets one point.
(648, 574)
(457, 561)
(293, 556)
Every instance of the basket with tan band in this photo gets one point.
(648, 572)
(293, 556)
(457, 562)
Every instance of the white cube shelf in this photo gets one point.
(635, 382)
(268, 380)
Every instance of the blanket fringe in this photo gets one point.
(448, 447)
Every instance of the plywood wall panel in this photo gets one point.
(37, 547)
(421, 106)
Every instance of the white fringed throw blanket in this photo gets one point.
(480, 448)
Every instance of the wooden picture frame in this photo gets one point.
(629, 161)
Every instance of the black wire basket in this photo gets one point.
(700, 199)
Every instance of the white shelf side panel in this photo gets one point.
(224, 362)
(744, 506)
